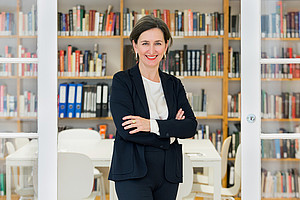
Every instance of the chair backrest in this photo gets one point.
(185, 188)
(73, 135)
(19, 142)
(237, 173)
(224, 156)
(75, 176)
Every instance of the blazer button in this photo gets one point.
(161, 146)
(167, 134)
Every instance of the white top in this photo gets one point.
(157, 104)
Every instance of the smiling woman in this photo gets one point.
(150, 111)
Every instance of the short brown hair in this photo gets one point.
(149, 22)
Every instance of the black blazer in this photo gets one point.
(128, 97)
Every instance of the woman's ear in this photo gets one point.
(167, 45)
(134, 45)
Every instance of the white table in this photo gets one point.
(202, 151)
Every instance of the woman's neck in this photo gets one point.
(150, 73)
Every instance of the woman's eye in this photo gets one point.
(158, 43)
(144, 43)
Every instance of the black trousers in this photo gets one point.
(154, 185)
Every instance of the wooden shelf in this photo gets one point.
(90, 118)
(200, 77)
(282, 39)
(89, 37)
(279, 198)
(8, 77)
(8, 36)
(84, 77)
(281, 159)
(189, 37)
(211, 117)
(280, 79)
(234, 79)
(13, 197)
(281, 120)
(28, 36)
(234, 38)
(28, 77)
(233, 119)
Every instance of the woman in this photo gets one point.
(150, 111)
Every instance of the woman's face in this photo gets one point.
(151, 47)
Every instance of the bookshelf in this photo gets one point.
(280, 84)
(217, 87)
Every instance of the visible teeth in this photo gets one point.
(151, 57)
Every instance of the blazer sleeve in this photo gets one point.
(179, 128)
(121, 104)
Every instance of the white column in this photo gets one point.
(47, 99)
(250, 89)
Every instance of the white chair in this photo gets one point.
(204, 179)
(25, 192)
(75, 176)
(226, 193)
(20, 142)
(67, 140)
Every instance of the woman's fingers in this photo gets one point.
(136, 122)
(180, 114)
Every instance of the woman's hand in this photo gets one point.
(180, 114)
(137, 122)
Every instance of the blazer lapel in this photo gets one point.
(138, 83)
(168, 89)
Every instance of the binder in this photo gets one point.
(98, 100)
(63, 96)
(78, 100)
(71, 100)
(104, 108)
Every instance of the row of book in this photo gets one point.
(7, 69)
(234, 24)
(280, 183)
(8, 103)
(74, 62)
(281, 70)
(28, 22)
(28, 104)
(180, 23)
(198, 102)
(27, 69)
(184, 62)
(234, 105)
(279, 24)
(83, 101)
(284, 106)
(234, 65)
(287, 148)
(7, 23)
(80, 22)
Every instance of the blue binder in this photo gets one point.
(63, 97)
(71, 100)
(78, 100)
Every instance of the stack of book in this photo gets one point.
(28, 22)
(28, 104)
(8, 103)
(7, 23)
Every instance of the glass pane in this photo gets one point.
(18, 168)
(280, 168)
(280, 97)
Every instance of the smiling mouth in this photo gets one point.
(151, 57)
